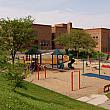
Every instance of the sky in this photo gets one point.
(82, 13)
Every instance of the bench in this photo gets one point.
(107, 88)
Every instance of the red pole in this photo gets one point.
(38, 72)
(90, 61)
(72, 82)
(79, 79)
(45, 72)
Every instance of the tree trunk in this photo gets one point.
(13, 56)
(88, 57)
(77, 55)
(77, 50)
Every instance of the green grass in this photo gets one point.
(108, 95)
(37, 98)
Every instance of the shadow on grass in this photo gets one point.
(45, 101)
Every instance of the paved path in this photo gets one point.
(106, 105)
(96, 99)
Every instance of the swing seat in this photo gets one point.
(107, 88)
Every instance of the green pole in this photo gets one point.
(83, 66)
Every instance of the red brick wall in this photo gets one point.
(44, 33)
(105, 40)
(102, 36)
(59, 29)
(96, 35)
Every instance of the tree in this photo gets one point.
(64, 39)
(16, 34)
(76, 39)
(14, 73)
(82, 40)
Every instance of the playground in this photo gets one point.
(83, 80)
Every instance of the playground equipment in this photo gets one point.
(105, 68)
(35, 54)
(60, 65)
(94, 64)
(70, 64)
(99, 69)
(38, 72)
(31, 67)
(72, 80)
(47, 58)
(56, 59)
(31, 61)
(107, 88)
(97, 76)
(57, 53)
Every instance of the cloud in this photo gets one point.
(83, 20)
(11, 13)
(92, 20)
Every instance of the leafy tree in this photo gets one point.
(16, 34)
(76, 39)
(81, 39)
(65, 39)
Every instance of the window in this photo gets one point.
(44, 43)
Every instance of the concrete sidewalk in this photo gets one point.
(106, 105)
(96, 99)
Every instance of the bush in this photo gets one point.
(15, 75)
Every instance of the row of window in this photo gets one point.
(45, 43)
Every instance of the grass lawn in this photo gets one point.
(37, 98)
(108, 95)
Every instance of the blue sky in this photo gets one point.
(82, 13)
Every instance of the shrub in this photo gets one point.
(15, 75)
